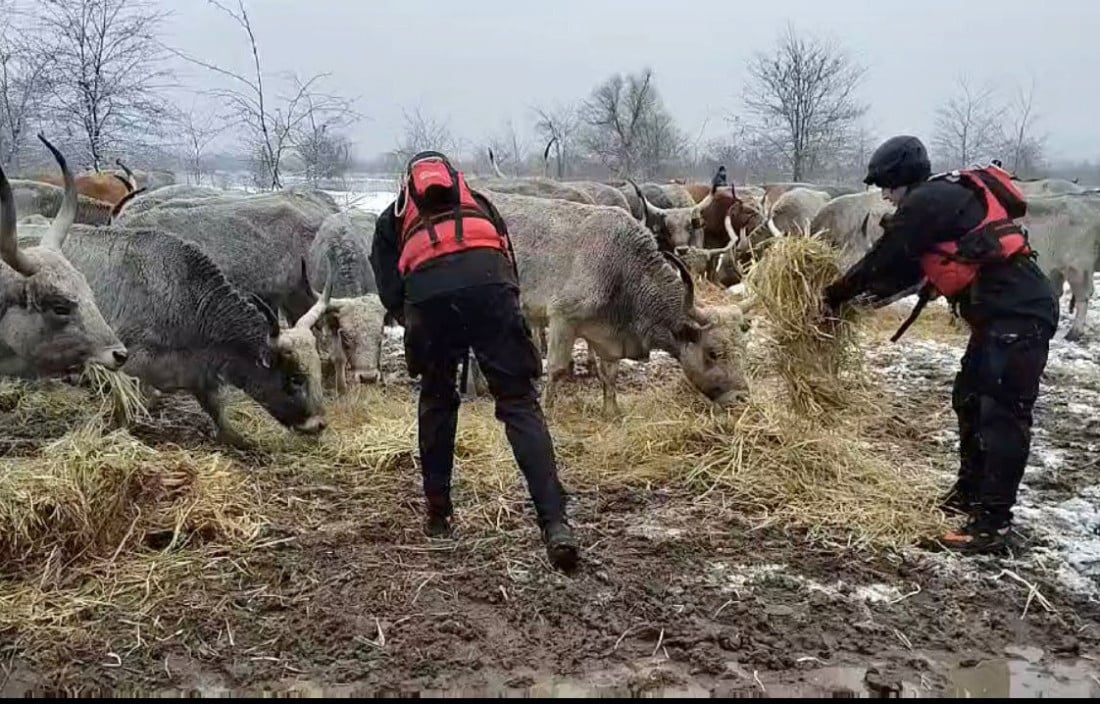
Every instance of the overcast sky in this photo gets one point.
(479, 62)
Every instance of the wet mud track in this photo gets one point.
(674, 596)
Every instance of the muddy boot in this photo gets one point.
(957, 501)
(561, 545)
(440, 519)
(984, 534)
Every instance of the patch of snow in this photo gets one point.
(877, 593)
(738, 578)
(655, 532)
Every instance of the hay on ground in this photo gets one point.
(94, 494)
(817, 357)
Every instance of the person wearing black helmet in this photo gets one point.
(446, 271)
(955, 235)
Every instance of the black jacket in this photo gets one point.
(941, 211)
(439, 276)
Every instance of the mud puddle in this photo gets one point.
(1013, 676)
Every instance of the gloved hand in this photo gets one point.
(834, 296)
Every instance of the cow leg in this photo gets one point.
(213, 402)
(1080, 286)
(476, 384)
(609, 374)
(339, 361)
(559, 354)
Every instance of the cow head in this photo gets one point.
(709, 347)
(675, 227)
(751, 224)
(287, 381)
(50, 324)
(355, 328)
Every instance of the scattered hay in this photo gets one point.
(817, 357)
(92, 495)
(121, 393)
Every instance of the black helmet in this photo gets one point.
(899, 161)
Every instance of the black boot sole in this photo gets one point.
(564, 557)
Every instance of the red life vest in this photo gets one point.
(952, 266)
(440, 215)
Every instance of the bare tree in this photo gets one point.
(422, 132)
(199, 129)
(21, 85)
(804, 98)
(325, 153)
(104, 72)
(628, 128)
(1023, 145)
(273, 121)
(557, 126)
(968, 125)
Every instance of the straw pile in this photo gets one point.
(93, 494)
(817, 357)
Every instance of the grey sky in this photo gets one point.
(480, 62)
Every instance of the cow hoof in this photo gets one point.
(1074, 336)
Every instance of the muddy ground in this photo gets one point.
(674, 596)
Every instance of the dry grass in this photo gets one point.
(818, 357)
(935, 323)
(97, 526)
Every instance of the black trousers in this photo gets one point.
(439, 332)
(994, 397)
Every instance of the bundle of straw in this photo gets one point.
(817, 356)
(120, 392)
(92, 494)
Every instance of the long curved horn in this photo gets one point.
(9, 241)
(689, 296)
(734, 235)
(122, 203)
(546, 152)
(66, 214)
(272, 319)
(131, 180)
(125, 182)
(493, 161)
(648, 207)
(705, 203)
(773, 229)
(311, 316)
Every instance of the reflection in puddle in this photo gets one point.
(1020, 678)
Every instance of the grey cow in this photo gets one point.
(50, 320)
(260, 241)
(352, 329)
(852, 223)
(1065, 232)
(188, 328)
(594, 272)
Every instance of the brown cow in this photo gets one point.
(107, 187)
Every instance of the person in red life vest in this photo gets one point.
(954, 235)
(446, 271)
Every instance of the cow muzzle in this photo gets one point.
(111, 359)
(314, 425)
(365, 376)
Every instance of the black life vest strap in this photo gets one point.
(922, 301)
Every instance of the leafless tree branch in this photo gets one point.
(804, 98)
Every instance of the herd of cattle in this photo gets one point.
(195, 289)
